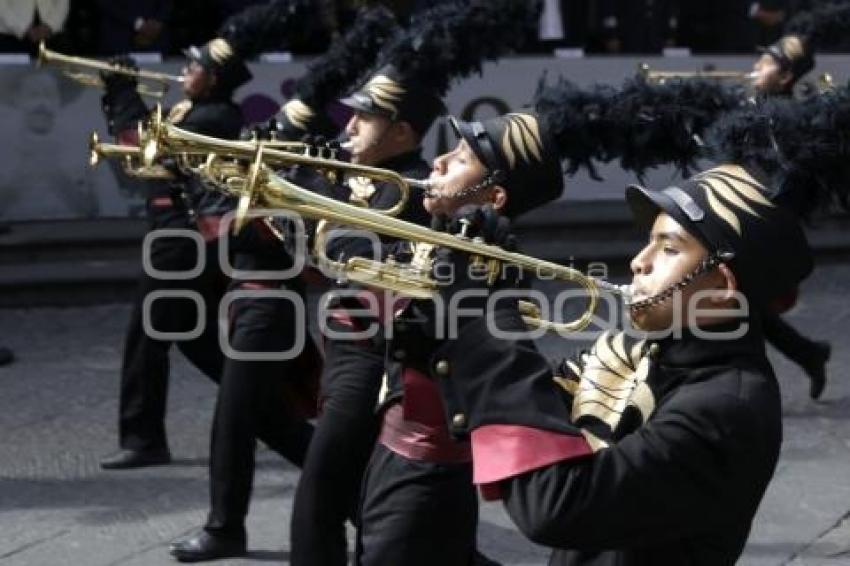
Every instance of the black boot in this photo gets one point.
(481, 560)
(202, 545)
(816, 369)
(127, 458)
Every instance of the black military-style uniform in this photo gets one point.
(170, 205)
(419, 505)
(329, 488)
(682, 489)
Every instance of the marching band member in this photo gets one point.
(640, 452)
(210, 77)
(419, 505)
(391, 114)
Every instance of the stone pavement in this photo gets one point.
(57, 417)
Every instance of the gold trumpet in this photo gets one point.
(70, 65)
(263, 188)
(660, 77)
(130, 157)
(162, 137)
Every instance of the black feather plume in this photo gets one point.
(263, 27)
(347, 58)
(825, 26)
(453, 39)
(803, 146)
(655, 124)
(643, 125)
(576, 119)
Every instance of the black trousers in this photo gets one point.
(145, 366)
(252, 404)
(798, 348)
(329, 488)
(416, 513)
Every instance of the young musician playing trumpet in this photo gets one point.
(651, 451)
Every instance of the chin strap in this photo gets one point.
(492, 178)
(704, 267)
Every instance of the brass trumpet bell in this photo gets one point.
(129, 156)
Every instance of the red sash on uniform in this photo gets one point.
(209, 227)
(416, 440)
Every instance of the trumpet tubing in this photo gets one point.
(171, 139)
(100, 150)
(259, 186)
(70, 66)
(276, 192)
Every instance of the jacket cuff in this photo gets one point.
(502, 451)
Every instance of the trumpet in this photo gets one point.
(130, 157)
(162, 137)
(70, 65)
(263, 188)
(101, 150)
(660, 77)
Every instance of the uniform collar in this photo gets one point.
(690, 349)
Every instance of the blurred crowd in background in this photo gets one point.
(107, 27)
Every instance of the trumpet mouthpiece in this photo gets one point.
(346, 145)
(423, 184)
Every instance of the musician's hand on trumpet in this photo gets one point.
(464, 283)
(461, 272)
(116, 82)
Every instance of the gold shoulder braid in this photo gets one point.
(179, 111)
(604, 383)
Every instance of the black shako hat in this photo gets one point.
(245, 34)
(793, 53)
(401, 99)
(297, 119)
(447, 41)
(519, 155)
(332, 74)
(217, 56)
(729, 212)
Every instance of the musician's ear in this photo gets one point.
(498, 197)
